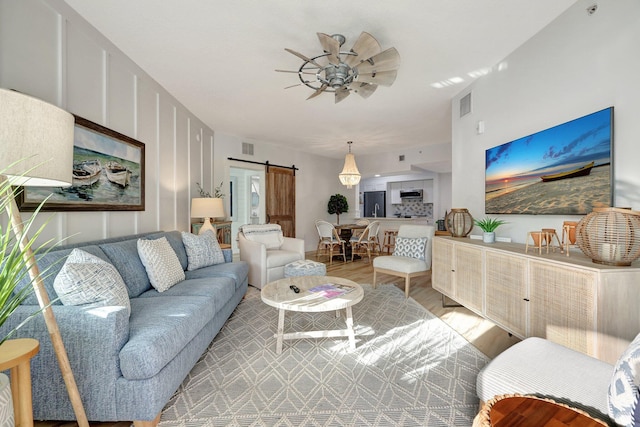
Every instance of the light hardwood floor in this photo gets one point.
(483, 334)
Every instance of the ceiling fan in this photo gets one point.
(362, 69)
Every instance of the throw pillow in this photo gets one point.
(269, 235)
(412, 247)
(87, 279)
(624, 396)
(202, 250)
(161, 262)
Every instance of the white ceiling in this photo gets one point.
(218, 58)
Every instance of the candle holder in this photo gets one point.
(459, 222)
(610, 236)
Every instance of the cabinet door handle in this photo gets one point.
(526, 299)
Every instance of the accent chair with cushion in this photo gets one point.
(267, 251)
(542, 368)
(411, 255)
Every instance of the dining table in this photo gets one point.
(346, 231)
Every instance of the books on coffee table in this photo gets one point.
(331, 290)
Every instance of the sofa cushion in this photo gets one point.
(124, 256)
(623, 394)
(277, 258)
(202, 250)
(412, 247)
(238, 271)
(161, 263)
(87, 279)
(269, 235)
(50, 264)
(159, 328)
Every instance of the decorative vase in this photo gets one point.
(489, 236)
(6, 402)
(459, 222)
(610, 236)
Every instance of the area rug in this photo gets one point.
(408, 369)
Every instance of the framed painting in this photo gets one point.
(563, 170)
(108, 174)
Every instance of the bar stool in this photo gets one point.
(389, 241)
(16, 355)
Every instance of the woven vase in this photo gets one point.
(459, 222)
(610, 236)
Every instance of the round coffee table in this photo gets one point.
(280, 295)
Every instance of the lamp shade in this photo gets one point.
(36, 141)
(350, 174)
(207, 207)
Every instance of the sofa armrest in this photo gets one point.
(294, 245)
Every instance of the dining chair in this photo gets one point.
(367, 242)
(329, 240)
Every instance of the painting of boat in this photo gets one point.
(118, 174)
(581, 171)
(86, 173)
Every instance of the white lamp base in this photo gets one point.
(207, 226)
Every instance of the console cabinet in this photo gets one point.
(570, 300)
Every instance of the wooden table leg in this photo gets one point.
(22, 403)
(350, 331)
(280, 331)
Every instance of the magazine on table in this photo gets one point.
(331, 290)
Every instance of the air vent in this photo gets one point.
(465, 105)
(247, 148)
(401, 158)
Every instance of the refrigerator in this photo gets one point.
(374, 204)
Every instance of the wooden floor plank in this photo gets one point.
(483, 334)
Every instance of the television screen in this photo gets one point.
(563, 170)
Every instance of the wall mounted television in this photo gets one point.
(563, 170)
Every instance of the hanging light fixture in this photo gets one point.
(350, 174)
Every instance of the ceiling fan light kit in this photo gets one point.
(362, 69)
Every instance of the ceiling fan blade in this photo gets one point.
(342, 93)
(304, 58)
(299, 84)
(330, 46)
(296, 72)
(384, 61)
(366, 46)
(318, 91)
(365, 90)
(384, 78)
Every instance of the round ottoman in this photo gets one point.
(305, 267)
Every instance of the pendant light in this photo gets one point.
(350, 175)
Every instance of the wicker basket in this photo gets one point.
(459, 222)
(610, 236)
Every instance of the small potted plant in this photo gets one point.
(488, 226)
(337, 205)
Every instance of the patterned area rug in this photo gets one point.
(409, 369)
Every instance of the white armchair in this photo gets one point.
(267, 251)
(411, 256)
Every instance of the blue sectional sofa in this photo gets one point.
(128, 367)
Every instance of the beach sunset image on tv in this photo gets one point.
(563, 170)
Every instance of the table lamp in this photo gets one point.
(207, 208)
(36, 142)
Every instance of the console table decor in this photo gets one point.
(459, 222)
(610, 236)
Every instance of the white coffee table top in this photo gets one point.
(278, 294)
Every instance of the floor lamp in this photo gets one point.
(36, 146)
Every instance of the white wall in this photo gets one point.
(577, 65)
(48, 51)
(316, 180)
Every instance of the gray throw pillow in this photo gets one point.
(86, 279)
(412, 247)
(624, 396)
(161, 262)
(202, 250)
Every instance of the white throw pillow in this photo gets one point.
(87, 279)
(269, 235)
(624, 394)
(202, 250)
(412, 247)
(161, 262)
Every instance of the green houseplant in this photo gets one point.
(489, 226)
(337, 205)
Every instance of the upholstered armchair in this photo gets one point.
(267, 251)
(411, 256)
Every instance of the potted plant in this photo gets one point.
(488, 226)
(338, 205)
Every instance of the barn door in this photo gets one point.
(281, 198)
